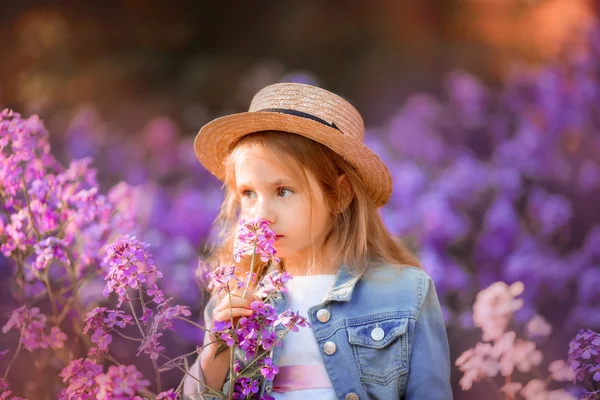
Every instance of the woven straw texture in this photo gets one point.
(216, 139)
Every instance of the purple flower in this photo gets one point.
(269, 370)
(129, 266)
(151, 346)
(255, 236)
(169, 394)
(291, 320)
(47, 250)
(79, 376)
(120, 382)
(33, 326)
(584, 356)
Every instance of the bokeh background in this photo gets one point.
(486, 112)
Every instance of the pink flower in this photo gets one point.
(120, 383)
(560, 371)
(79, 376)
(477, 363)
(168, 395)
(151, 346)
(102, 339)
(269, 370)
(494, 307)
(538, 327)
(32, 325)
(129, 265)
(255, 236)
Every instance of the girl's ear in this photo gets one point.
(346, 194)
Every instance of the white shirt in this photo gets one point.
(300, 348)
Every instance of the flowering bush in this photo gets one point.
(502, 353)
(584, 360)
(55, 226)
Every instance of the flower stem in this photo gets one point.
(251, 272)
(135, 317)
(15, 355)
(193, 323)
(231, 352)
(266, 351)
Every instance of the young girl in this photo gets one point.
(297, 160)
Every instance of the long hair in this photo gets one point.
(361, 238)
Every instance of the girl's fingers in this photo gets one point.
(227, 315)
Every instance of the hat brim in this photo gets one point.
(217, 138)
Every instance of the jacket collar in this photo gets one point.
(343, 286)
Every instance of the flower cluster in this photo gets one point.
(254, 335)
(86, 381)
(129, 265)
(584, 360)
(255, 237)
(501, 352)
(32, 325)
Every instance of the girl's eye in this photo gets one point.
(249, 194)
(284, 192)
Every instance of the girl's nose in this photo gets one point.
(266, 211)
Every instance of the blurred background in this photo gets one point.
(486, 112)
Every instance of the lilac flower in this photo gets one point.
(538, 327)
(47, 250)
(168, 395)
(129, 266)
(220, 277)
(269, 370)
(32, 325)
(4, 392)
(245, 386)
(291, 320)
(102, 339)
(120, 382)
(255, 236)
(584, 356)
(151, 346)
(156, 294)
(495, 306)
(79, 376)
(165, 316)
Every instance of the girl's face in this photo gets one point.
(270, 190)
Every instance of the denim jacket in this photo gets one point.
(382, 337)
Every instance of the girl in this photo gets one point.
(297, 159)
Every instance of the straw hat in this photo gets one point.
(304, 110)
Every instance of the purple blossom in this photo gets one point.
(49, 249)
(129, 266)
(584, 356)
(151, 346)
(269, 370)
(79, 376)
(255, 236)
(168, 395)
(120, 382)
(32, 325)
(291, 320)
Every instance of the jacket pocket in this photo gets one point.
(380, 348)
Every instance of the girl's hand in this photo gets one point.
(239, 307)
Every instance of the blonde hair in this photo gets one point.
(358, 229)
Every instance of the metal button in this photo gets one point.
(276, 296)
(323, 315)
(329, 348)
(351, 396)
(280, 333)
(377, 334)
